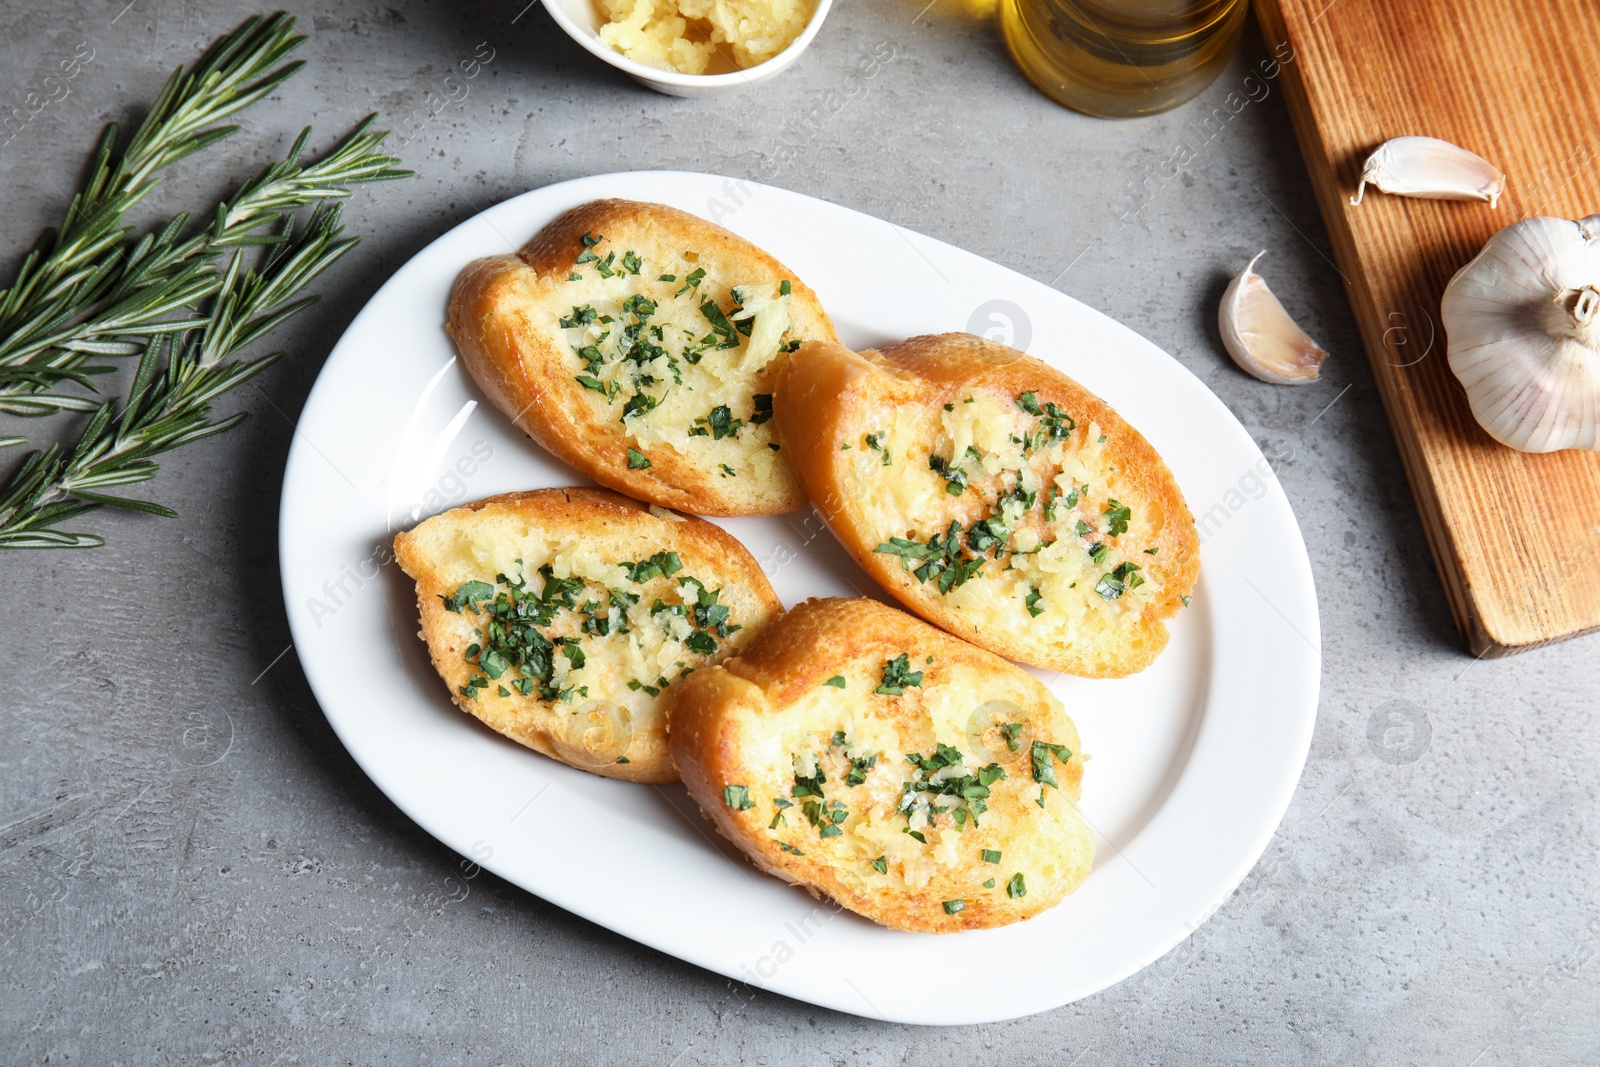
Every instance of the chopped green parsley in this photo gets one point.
(587, 255)
(971, 789)
(1123, 577)
(468, 595)
(692, 280)
(722, 331)
(1044, 770)
(605, 389)
(938, 559)
(722, 422)
(660, 565)
(955, 479)
(1117, 517)
(737, 797)
(898, 675)
(859, 766)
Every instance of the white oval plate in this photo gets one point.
(1192, 762)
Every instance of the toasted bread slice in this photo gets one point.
(638, 343)
(915, 779)
(563, 617)
(994, 496)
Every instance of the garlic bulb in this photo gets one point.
(1431, 169)
(1523, 327)
(1260, 335)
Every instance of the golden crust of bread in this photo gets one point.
(583, 535)
(745, 734)
(505, 317)
(1075, 592)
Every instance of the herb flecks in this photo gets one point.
(939, 559)
(1117, 517)
(1124, 577)
(898, 675)
(588, 255)
(761, 409)
(945, 775)
(1051, 424)
(955, 478)
(1044, 770)
(513, 641)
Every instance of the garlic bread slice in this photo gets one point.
(914, 778)
(994, 496)
(638, 343)
(563, 618)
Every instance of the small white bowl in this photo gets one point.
(581, 20)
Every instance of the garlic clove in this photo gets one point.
(1431, 169)
(1260, 335)
(1522, 323)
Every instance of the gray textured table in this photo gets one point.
(193, 870)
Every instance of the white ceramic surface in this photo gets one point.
(1192, 763)
(582, 22)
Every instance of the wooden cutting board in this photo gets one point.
(1516, 537)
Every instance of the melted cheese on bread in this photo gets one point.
(998, 499)
(919, 781)
(562, 617)
(638, 343)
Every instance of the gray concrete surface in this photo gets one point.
(193, 871)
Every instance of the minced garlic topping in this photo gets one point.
(700, 36)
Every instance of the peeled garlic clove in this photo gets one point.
(1431, 169)
(1260, 335)
(1522, 322)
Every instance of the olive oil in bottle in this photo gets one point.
(1120, 58)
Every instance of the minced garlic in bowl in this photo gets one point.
(702, 36)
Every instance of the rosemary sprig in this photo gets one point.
(84, 270)
(187, 305)
(169, 403)
(162, 276)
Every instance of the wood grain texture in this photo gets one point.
(1516, 537)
